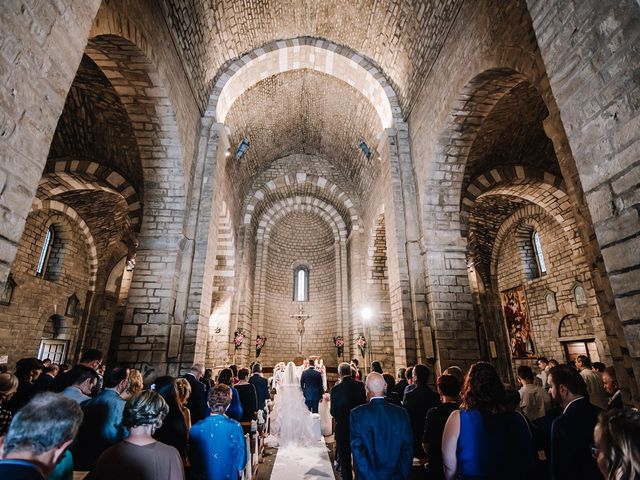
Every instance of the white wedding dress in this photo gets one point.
(291, 422)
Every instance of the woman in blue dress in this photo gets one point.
(484, 440)
(217, 446)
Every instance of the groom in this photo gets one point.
(311, 383)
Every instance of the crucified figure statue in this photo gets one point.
(301, 317)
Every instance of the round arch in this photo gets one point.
(300, 53)
(54, 205)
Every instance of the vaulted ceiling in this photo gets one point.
(403, 38)
(305, 112)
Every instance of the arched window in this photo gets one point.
(537, 248)
(46, 251)
(301, 284)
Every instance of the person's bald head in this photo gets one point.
(376, 384)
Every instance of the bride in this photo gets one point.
(291, 422)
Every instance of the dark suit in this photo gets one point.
(262, 389)
(418, 402)
(197, 402)
(345, 396)
(571, 438)
(381, 441)
(615, 402)
(311, 383)
(101, 427)
(45, 383)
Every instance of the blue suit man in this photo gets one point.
(102, 423)
(261, 385)
(312, 389)
(381, 436)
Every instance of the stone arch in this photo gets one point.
(508, 175)
(54, 205)
(143, 92)
(473, 104)
(302, 204)
(524, 215)
(302, 181)
(136, 81)
(298, 53)
(67, 175)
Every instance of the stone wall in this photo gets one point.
(299, 239)
(596, 88)
(36, 298)
(565, 271)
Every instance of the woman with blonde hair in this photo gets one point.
(134, 384)
(8, 386)
(617, 444)
(140, 456)
(183, 392)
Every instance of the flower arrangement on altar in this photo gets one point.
(339, 343)
(361, 343)
(238, 338)
(260, 341)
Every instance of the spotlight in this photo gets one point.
(365, 148)
(242, 148)
(366, 313)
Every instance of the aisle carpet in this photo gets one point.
(308, 463)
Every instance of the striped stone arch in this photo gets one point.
(302, 205)
(68, 175)
(472, 106)
(507, 175)
(56, 206)
(307, 183)
(298, 53)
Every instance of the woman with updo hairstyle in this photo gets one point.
(483, 439)
(134, 384)
(8, 386)
(616, 440)
(225, 377)
(140, 456)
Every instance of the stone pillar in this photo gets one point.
(406, 284)
(196, 282)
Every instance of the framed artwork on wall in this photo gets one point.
(516, 315)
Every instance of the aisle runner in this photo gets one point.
(308, 463)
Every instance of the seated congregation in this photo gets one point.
(567, 422)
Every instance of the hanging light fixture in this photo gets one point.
(242, 148)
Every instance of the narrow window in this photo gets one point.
(46, 251)
(537, 248)
(301, 285)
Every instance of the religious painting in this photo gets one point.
(516, 315)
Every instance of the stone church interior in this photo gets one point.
(438, 182)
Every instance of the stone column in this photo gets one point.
(406, 284)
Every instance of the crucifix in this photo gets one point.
(301, 317)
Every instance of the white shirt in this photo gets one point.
(595, 388)
(534, 401)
